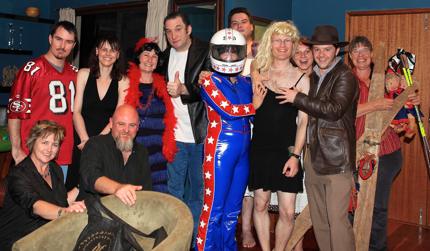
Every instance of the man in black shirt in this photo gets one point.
(115, 163)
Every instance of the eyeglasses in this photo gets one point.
(281, 41)
(363, 50)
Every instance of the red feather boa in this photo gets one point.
(159, 84)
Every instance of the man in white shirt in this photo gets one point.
(183, 60)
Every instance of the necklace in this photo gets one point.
(145, 106)
(46, 174)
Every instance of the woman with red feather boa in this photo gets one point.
(148, 93)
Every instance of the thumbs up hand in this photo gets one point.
(175, 88)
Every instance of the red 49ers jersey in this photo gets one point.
(40, 92)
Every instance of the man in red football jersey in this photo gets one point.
(44, 89)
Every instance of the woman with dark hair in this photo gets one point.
(99, 90)
(35, 191)
(148, 93)
(390, 154)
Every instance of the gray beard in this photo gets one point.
(124, 146)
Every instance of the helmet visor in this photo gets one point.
(228, 53)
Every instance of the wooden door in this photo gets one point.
(408, 29)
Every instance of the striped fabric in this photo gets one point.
(390, 141)
(150, 133)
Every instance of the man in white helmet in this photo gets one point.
(228, 99)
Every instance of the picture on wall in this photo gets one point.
(261, 25)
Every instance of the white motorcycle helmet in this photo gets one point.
(228, 51)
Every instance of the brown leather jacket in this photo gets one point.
(331, 126)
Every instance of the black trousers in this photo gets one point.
(389, 167)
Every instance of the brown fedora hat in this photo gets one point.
(326, 34)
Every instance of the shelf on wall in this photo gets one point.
(5, 89)
(16, 52)
(26, 18)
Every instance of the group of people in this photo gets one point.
(220, 126)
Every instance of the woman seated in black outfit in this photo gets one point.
(35, 190)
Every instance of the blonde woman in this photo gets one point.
(278, 134)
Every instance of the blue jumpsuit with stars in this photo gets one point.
(225, 164)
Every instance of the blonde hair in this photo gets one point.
(42, 129)
(264, 55)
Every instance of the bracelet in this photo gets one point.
(295, 155)
(60, 211)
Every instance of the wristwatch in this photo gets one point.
(60, 212)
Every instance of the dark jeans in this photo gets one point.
(389, 167)
(185, 178)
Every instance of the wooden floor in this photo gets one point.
(401, 237)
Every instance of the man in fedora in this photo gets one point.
(330, 153)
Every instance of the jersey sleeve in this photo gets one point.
(219, 102)
(19, 105)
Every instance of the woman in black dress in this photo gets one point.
(278, 135)
(99, 90)
(35, 191)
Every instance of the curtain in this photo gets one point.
(68, 14)
(157, 10)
